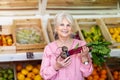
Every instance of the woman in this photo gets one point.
(74, 67)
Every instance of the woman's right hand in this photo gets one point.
(60, 63)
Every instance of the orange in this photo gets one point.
(35, 70)
(115, 77)
(96, 77)
(37, 77)
(24, 71)
(103, 71)
(29, 67)
(104, 76)
(19, 67)
(27, 78)
(102, 79)
(31, 75)
(89, 78)
(115, 73)
(94, 72)
(20, 76)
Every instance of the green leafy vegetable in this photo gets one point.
(99, 50)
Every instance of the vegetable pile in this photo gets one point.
(99, 50)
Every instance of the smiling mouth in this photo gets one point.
(64, 31)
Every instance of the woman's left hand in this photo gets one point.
(84, 54)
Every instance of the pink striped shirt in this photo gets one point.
(75, 71)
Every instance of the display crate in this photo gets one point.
(7, 43)
(29, 70)
(87, 23)
(72, 4)
(18, 4)
(113, 64)
(113, 29)
(29, 35)
(7, 71)
(100, 72)
(50, 30)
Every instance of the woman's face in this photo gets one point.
(64, 29)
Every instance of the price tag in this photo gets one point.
(29, 55)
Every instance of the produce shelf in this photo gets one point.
(20, 57)
(38, 56)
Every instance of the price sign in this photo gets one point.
(29, 55)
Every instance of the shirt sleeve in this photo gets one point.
(47, 71)
(86, 69)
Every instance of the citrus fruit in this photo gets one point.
(19, 67)
(35, 70)
(24, 71)
(29, 67)
(31, 75)
(20, 76)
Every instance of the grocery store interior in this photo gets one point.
(20, 56)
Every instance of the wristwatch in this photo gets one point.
(86, 62)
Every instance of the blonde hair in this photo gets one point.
(58, 19)
(60, 16)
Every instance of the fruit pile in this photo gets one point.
(6, 40)
(99, 73)
(115, 33)
(94, 34)
(28, 35)
(116, 75)
(6, 73)
(28, 72)
(113, 64)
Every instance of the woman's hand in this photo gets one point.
(60, 63)
(84, 54)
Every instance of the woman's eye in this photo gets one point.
(61, 24)
(68, 25)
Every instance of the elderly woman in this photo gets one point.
(73, 67)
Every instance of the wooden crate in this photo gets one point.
(113, 65)
(9, 69)
(18, 4)
(97, 73)
(113, 23)
(50, 30)
(29, 24)
(24, 65)
(87, 23)
(82, 3)
(5, 30)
